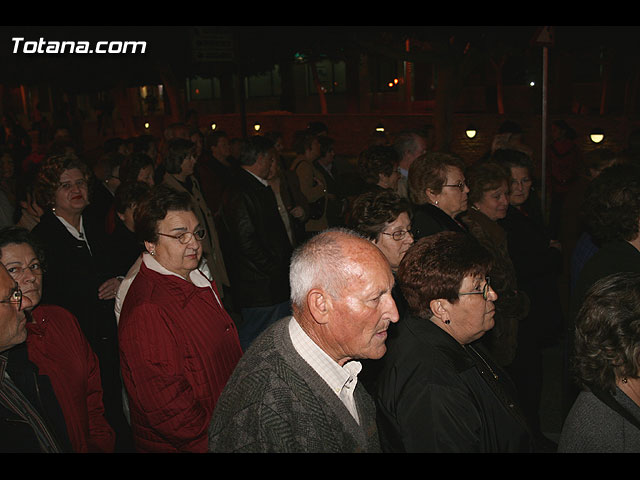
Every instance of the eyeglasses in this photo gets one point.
(66, 186)
(186, 237)
(17, 272)
(460, 185)
(15, 297)
(484, 292)
(398, 235)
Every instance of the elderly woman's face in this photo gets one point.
(471, 316)
(453, 197)
(24, 267)
(394, 249)
(494, 203)
(72, 196)
(520, 186)
(179, 258)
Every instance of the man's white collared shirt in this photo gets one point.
(342, 380)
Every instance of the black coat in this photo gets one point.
(73, 274)
(434, 395)
(537, 267)
(71, 279)
(256, 242)
(428, 219)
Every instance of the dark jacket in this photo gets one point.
(513, 304)
(428, 219)
(258, 246)
(73, 274)
(435, 395)
(613, 257)
(36, 401)
(60, 351)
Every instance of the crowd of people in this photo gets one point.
(178, 294)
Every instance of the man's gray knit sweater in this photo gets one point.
(276, 402)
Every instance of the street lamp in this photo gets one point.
(471, 131)
(597, 135)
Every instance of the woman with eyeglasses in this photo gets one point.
(178, 345)
(439, 389)
(81, 274)
(438, 191)
(59, 349)
(179, 162)
(384, 218)
(489, 199)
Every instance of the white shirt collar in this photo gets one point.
(198, 278)
(341, 379)
(260, 179)
(78, 234)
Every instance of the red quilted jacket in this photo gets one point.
(178, 347)
(60, 350)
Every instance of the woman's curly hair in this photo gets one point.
(47, 180)
(611, 208)
(372, 212)
(607, 336)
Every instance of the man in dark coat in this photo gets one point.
(258, 245)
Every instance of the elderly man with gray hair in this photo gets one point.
(296, 389)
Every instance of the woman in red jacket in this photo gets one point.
(178, 346)
(59, 349)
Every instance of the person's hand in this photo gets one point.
(108, 290)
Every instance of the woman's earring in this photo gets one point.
(447, 322)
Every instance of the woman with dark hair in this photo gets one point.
(438, 192)
(611, 212)
(126, 246)
(378, 167)
(605, 417)
(80, 268)
(439, 390)
(137, 167)
(489, 198)
(180, 162)
(384, 219)
(538, 264)
(178, 345)
(58, 348)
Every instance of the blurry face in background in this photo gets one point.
(520, 186)
(72, 195)
(494, 203)
(146, 175)
(394, 250)
(24, 267)
(6, 163)
(451, 199)
(13, 329)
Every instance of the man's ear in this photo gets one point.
(319, 304)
